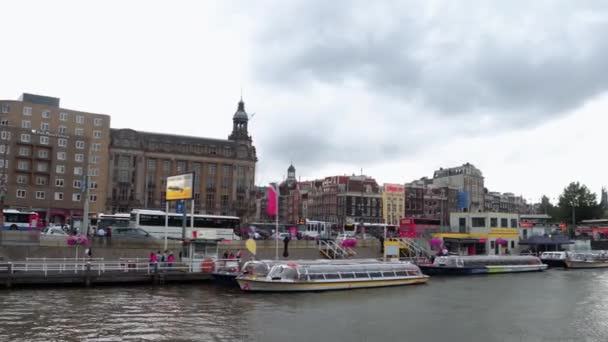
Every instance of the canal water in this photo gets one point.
(556, 305)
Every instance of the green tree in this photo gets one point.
(546, 207)
(579, 199)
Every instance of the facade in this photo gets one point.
(425, 199)
(290, 209)
(414, 198)
(224, 170)
(45, 153)
(344, 199)
(473, 233)
(393, 203)
(466, 178)
(505, 203)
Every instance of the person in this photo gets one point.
(163, 257)
(101, 232)
(444, 251)
(226, 255)
(231, 255)
(153, 259)
(170, 259)
(239, 254)
(158, 256)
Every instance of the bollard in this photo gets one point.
(87, 279)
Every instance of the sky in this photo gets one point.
(393, 89)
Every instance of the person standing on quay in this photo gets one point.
(239, 254)
(170, 259)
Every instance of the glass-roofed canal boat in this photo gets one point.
(467, 265)
(322, 275)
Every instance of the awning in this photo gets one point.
(546, 240)
(463, 240)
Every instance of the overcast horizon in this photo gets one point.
(397, 89)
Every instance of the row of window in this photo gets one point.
(59, 182)
(24, 165)
(44, 154)
(44, 126)
(46, 114)
(40, 195)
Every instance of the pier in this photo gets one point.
(89, 272)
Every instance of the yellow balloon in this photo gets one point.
(251, 246)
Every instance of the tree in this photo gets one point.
(578, 200)
(546, 207)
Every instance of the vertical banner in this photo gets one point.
(271, 209)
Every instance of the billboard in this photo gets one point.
(180, 187)
(463, 200)
(393, 188)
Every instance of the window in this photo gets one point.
(61, 155)
(44, 126)
(123, 176)
(93, 185)
(512, 243)
(59, 182)
(478, 222)
(493, 222)
(42, 167)
(25, 138)
(60, 169)
(166, 166)
(23, 165)
(94, 159)
(21, 193)
(63, 130)
(43, 154)
(21, 179)
(181, 167)
(77, 184)
(3, 149)
(79, 119)
(513, 223)
(94, 172)
(4, 122)
(93, 198)
(41, 180)
(504, 223)
(79, 157)
(80, 145)
(24, 151)
(63, 116)
(75, 197)
(27, 124)
(62, 142)
(59, 196)
(96, 147)
(5, 108)
(79, 132)
(97, 122)
(44, 140)
(46, 114)
(96, 134)
(124, 162)
(27, 110)
(39, 195)
(78, 171)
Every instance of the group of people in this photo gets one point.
(231, 255)
(165, 257)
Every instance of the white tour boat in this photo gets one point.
(592, 259)
(321, 275)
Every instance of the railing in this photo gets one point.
(412, 247)
(332, 250)
(61, 266)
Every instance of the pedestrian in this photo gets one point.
(158, 256)
(153, 259)
(231, 255)
(170, 259)
(225, 254)
(239, 254)
(163, 257)
(101, 232)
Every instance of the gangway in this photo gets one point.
(331, 250)
(410, 249)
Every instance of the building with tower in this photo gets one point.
(468, 180)
(140, 162)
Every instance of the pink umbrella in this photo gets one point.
(436, 242)
(501, 241)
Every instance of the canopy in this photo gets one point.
(546, 240)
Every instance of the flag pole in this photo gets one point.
(276, 230)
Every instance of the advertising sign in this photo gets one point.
(180, 187)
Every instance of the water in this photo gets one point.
(552, 306)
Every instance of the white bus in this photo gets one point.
(106, 221)
(20, 220)
(205, 226)
(316, 229)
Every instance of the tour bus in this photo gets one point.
(20, 220)
(111, 221)
(365, 230)
(205, 226)
(416, 227)
(316, 229)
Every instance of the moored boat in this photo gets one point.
(594, 259)
(554, 259)
(468, 265)
(336, 275)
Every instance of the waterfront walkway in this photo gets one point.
(87, 272)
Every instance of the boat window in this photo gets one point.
(332, 276)
(388, 274)
(347, 275)
(316, 276)
(375, 274)
(289, 274)
(401, 273)
(361, 275)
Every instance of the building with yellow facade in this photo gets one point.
(393, 203)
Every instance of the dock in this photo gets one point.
(90, 272)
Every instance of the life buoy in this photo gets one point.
(208, 265)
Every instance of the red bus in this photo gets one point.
(415, 227)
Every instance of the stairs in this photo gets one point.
(409, 248)
(331, 250)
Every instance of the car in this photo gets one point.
(282, 236)
(54, 231)
(344, 237)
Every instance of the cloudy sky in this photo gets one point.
(394, 88)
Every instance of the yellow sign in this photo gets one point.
(251, 246)
(180, 187)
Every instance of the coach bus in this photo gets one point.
(417, 227)
(20, 220)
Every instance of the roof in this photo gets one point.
(240, 111)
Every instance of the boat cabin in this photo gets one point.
(489, 260)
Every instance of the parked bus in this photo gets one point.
(110, 221)
(414, 227)
(205, 226)
(20, 220)
(316, 229)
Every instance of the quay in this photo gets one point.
(90, 272)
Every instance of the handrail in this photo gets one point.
(332, 246)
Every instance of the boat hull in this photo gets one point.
(262, 285)
(226, 279)
(447, 270)
(586, 264)
(554, 263)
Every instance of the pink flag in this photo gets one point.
(271, 209)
